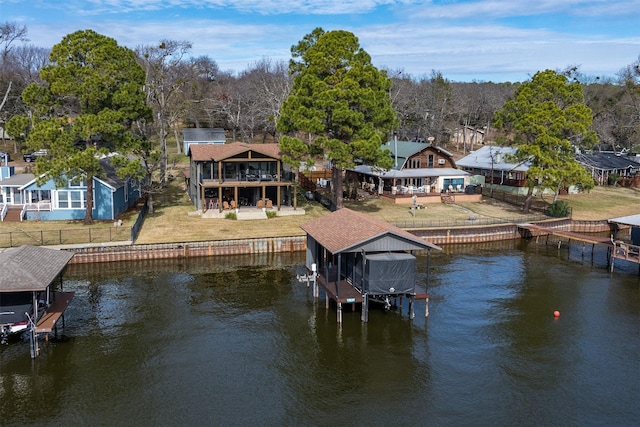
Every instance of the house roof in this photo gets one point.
(607, 161)
(203, 135)
(345, 229)
(31, 268)
(409, 173)
(218, 152)
(632, 220)
(492, 157)
(18, 180)
(407, 149)
(110, 177)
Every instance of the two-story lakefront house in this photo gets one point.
(21, 195)
(418, 168)
(228, 176)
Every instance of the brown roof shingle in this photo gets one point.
(217, 152)
(346, 228)
(30, 268)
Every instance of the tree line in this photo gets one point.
(195, 92)
(84, 92)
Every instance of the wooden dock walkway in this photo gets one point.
(48, 320)
(536, 231)
(616, 249)
(344, 292)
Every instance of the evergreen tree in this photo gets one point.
(340, 102)
(547, 120)
(92, 93)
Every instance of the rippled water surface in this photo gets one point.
(240, 341)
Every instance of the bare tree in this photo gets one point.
(10, 33)
(165, 78)
(269, 84)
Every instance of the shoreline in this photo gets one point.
(437, 236)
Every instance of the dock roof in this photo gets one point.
(346, 230)
(31, 268)
(632, 220)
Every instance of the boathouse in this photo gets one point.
(28, 302)
(356, 259)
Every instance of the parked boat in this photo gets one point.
(16, 308)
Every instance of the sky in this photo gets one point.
(465, 40)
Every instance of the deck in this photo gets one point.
(48, 320)
(343, 292)
(618, 249)
(537, 230)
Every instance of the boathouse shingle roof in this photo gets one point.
(345, 229)
(31, 268)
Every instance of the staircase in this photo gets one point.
(13, 214)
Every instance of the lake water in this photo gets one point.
(239, 341)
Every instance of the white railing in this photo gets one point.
(38, 206)
(3, 211)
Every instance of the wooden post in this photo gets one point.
(411, 313)
(613, 256)
(364, 317)
(426, 309)
(339, 314)
(315, 285)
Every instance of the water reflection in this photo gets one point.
(238, 340)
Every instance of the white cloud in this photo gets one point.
(462, 39)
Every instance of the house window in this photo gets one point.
(207, 170)
(453, 184)
(74, 184)
(431, 160)
(414, 164)
(70, 199)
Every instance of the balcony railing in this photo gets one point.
(255, 176)
(45, 205)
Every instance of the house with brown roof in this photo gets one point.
(229, 176)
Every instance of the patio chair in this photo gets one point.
(260, 204)
(225, 205)
(269, 204)
(232, 204)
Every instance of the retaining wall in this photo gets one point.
(437, 236)
(190, 249)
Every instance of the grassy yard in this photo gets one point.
(175, 219)
(604, 203)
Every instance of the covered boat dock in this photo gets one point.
(30, 271)
(356, 258)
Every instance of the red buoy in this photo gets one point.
(556, 313)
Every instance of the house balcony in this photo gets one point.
(256, 179)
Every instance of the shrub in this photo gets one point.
(559, 209)
(231, 215)
(271, 214)
(614, 179)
